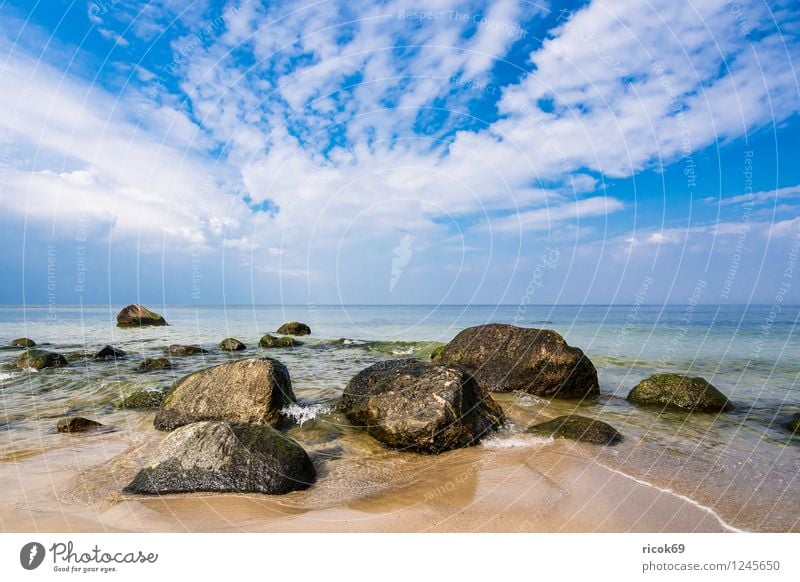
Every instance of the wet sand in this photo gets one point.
(546, 487)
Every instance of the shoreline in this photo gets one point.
(547, 487)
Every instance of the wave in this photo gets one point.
(303, 413)
(392, 348)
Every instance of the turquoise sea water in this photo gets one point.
(744, 464)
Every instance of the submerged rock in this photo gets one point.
(138, 316)
(294, 328)
(154, 364)
(142, 399)
(181, 350)
(252, 390)
(681, 392)
(794, 424)
(110, 353)
(225, 457)
(578, 428)
(270, 341)
(76, 424)
(419, 406)
(39, 359)
(22, 342)
(505, 358)
(230, 344)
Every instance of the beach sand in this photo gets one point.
(546, 487)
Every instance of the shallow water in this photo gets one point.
(744, 464)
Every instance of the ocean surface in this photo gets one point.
(744, 465)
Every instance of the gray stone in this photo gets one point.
(419, 406)
(225, 457)
(250, 391)
(505, 358)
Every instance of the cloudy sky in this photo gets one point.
(399, 152)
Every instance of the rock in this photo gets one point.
(436, 351)
(794, 424)
(22, 342)
(154, 364)
(230, 344)
(39, 359)
(142, 399)
(138, 316)
(225, 457)
(578, 428)
(180, 350)
(504, 358)
(419, 406)
(681, 392)
(110, 353)
(270, 341)
(252, 390)
(294, 328)
(76, 424)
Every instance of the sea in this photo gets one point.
(743, 465)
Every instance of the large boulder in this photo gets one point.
(294, 328)
(225, 457)
(22, 342)
(110, 353)
(504, 358)
(252, 390)
(419, 406)
(149, 364)
(680, 392)
(270, 341)
(76, 424)
(181, 350)
(138, 316)
(578, 428)
(39, 359)
(231, 344)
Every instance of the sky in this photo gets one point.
(327, 152)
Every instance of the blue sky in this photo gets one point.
(393, 152)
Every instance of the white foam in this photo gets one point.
(406, 352)
(515, 441)
(302, 414)
(529, 400)
(725, 525)
(354, 342)
(7, 376)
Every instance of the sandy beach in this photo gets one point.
(550, 487)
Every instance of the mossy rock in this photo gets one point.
(270, 341)
(294, 328)
(794, 424)
(181, 350)
(40, 359)
(507, 358)
(76, 424)
(225, 457)
(154, 364)
(139, 316)
(142, 399)
(22, 342)
(231, 344)
(437, 351)
(251, 391)
(680, 392)
(578, 428)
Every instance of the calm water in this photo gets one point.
(744, 464)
